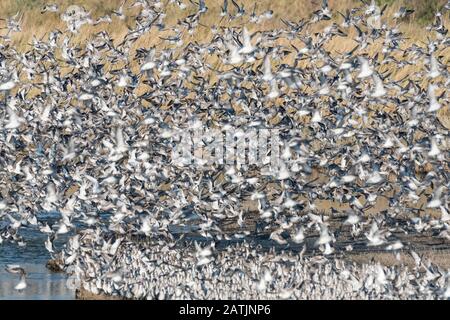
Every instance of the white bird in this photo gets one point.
(325, 236)
(50, 8)
(277, 238)
(316, 118)
(299, 235)
(235, 56)
(379, 87)
(268, 76)
(274, 91)
(14, 120)
(445, 215)
(49, 245)
(247, 47)
(446, 294)
(434, 151)
(375, 178)
(7, 85)
(380, 278)
(352, 219)
(434, 68)
(22, 285)
(397, 245)
(434, 104)
(375, 236)
(121, 145)
(436, 201)
(17, 269)
(366, 70)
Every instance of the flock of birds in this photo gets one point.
(136, 271)
(87, 133)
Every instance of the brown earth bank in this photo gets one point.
(83, 294)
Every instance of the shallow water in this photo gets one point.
(42, 284)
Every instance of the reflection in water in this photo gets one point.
(41, 283)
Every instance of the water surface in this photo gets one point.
(42, 284)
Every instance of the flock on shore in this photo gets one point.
(87, 133)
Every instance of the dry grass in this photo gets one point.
(35, 23)
(444, 116)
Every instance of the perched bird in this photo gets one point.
(17, 269)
